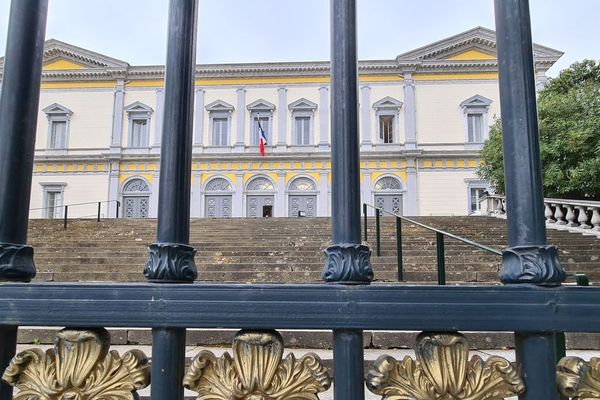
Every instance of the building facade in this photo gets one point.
(424, 116)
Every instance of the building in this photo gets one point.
(423, 118)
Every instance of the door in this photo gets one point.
(135, 206)
(389, 202)
(303, 203)
(256, 205)
(218, 206)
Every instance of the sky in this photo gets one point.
(231, 31)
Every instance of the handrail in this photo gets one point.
(451, 235)
(74, 204)
(65, 216)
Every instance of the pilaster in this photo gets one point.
(323, 209)
(196, 199)
(411, 206)
(199, 118)
(160, 109)
(117, 131)
(365, 117)
(410, 125)
(237, 206)
(113, 189)
(280, 209)
(281, 117)
(365, 190)
(324, 118)
(153, 211)
(240, 120)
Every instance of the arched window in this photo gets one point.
(303, 184)
(218, 185)
(136, 185)
(260, 184)
(136, 198)
(388, 183)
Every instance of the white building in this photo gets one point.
(423, 118)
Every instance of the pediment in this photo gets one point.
(261, 104)
(476, 44)
(387, 102)
(219, 105)
(57, 109)
(303, 104)
(64, 56)
(139, 107)
(476, 101)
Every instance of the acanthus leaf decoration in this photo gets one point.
(578, 379)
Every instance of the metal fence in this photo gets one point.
(531, 302)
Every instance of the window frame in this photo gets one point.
(263, 109)
(303, 108)
(219, 109)
(476, 106)
(475, 185)
(138, 111)
(57, 113)
(388, 106)
(53, 187)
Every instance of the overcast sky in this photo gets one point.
(298, 30)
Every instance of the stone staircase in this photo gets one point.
(283, 249)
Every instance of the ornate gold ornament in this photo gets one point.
(257, 371)
(443, 372)
(578, 379)
(80, 367)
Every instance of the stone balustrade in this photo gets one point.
(576, 215)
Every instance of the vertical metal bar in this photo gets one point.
(19, 103)
(527, 259)
(66, 212)
(348, 364)
(441, 258)
(8, 335)
(365, 220)
(117, 209)
(399, 249)
(378, 231)
(168, 363)
(582, 280)
(99, 206)
(535, 356)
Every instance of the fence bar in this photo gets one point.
(528, 259)
(441, 258)
(99, 205)
(535, 355)
(19, 103)
(348, 364)
(378, 231)
(117, 209)
(399, 249)
(168, 363)
(65, 217)
(365, 220)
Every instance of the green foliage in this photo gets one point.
(569, 125)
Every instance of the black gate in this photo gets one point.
(532, 303)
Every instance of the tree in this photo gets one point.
(569, 127)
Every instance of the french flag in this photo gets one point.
(262, 140)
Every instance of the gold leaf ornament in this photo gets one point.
(578, 379)
(79, 367)
(442, 371)
(257, 371)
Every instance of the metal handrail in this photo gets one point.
(66, 209)
(74, 204)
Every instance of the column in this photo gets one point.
(323, 210)
(410, 125)
(117, 130)
(281, 117)
(348, 261)
(411, 206)
(199, 118)
(280, 210)
(240, 120)
(113, 188)
(528, 259)
(160, 110)
(365, 117)
(19, 104)
(237, 208)
(324, 118)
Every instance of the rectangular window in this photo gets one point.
(475, 128)
(54, 204)
(474, 196)
(386, 129)
(302, 130)
(264, 123)
(58, 135)
(139, 133)
(219, 131)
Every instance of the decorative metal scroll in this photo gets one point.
(579, 379)
(80, 367)
(257, 371)
(442, 371)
